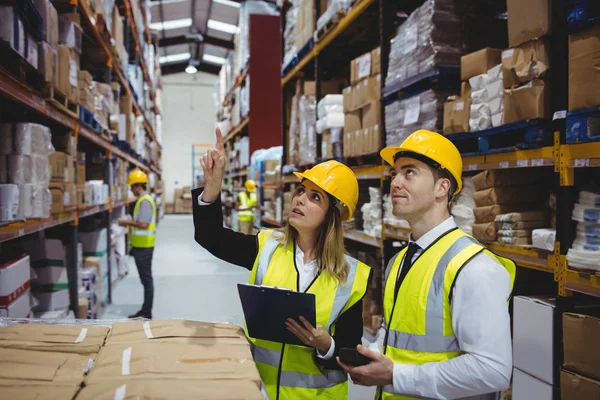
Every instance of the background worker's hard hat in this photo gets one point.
(432, 146)
(250, 185)
(137, 176)
(338, 180)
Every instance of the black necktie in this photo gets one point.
(406, 264)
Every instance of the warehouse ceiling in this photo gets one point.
(198, 31)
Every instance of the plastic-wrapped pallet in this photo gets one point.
(330, 111)
(308, 136)
(487, 100)
(462, 210)
(289, 38)
(246, 9)
(423, 111)
(430, 37)
(388, 216)
(371, 213)
(586, 246)
(334, 7)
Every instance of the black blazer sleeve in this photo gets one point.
(209, 232)
(348, 333)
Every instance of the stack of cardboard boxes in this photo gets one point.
(501, 192)
(362, 108)
(584, 69)
(50, 284)
(63, 181)
(15, 283)
(305, 23)
(87, 91)
(69, 53)
(48, 47)
(183, 200)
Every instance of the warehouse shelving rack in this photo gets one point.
(33, 103)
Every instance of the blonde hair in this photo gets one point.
(331, 254)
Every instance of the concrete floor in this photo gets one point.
(189, 283)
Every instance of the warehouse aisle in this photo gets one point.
(189, 283)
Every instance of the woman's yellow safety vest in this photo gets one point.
(247, 201)
(144, 238)
(419, 321)
(289, 372)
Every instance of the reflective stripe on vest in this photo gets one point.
(289, 371)
(421, 331)
(144, 238)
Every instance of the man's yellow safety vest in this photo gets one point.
(144, 238)
(289, 372)
(247, 201)
(419, 321)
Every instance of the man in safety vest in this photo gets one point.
(446, 330)
(245, 207)
(142, 235)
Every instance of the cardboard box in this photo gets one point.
(68, 73)
(55, 338)
(15, 279)
(530, 101)
(361, 94)
(529, 20)
(479, 62)
(511, 195)
(371, 114)
(485, 232)
(50, 18)
(48, 63)
(489, 213)
(527, 387)
(580, 336)
(58, 369)
(516, 218)
(376, 61)
(52, 301)
(175, 390)
(64, 193)
(456, 115)
(504, 178)
(327, 87)
(584, 69)
(352, 121)
(174, 361)
(526, 62)
(348, 99)
(361, 68)
(348, 143)
(465, 90)
(577, 387)
(375, 88)
(65, 143)
(533, 336)
(58, 166)
(358, 143)
(80, 169)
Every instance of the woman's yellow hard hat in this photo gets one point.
(338, 180)
(137, 176)
(250, 185)
(432, 146)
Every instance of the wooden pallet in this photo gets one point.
(59, 99)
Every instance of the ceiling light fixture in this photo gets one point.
(213, 59)
(173, 24)
(222, 26)
(174, 58)
(228, 3)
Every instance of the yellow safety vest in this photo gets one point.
(419, 321)
(289, 372)
(245, 201)
(144, 238)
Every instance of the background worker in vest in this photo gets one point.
(306, 256)
(245, 206)
(446, 331)
(142, 236)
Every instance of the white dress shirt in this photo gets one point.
(307, 273)
(481, 324)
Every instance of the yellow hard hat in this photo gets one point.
(336, 179)
(250, 185)
(137, 176)
(433, 147)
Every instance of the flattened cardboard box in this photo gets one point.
(528, 61)
(171, 390)
(133, 332)
(584, 69)
(514, 217)
(44, 366)
(59, 338)
(489, 213)
(504, 178)
(171, 361)
(16, 389)
(580, 338)
(577, 387)
(491, 196)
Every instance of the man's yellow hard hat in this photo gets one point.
(434, 147)
(137, 176)
(338, 180)
(250, 185)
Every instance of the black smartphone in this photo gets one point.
(353, 357)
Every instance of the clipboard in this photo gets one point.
(266, 309)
